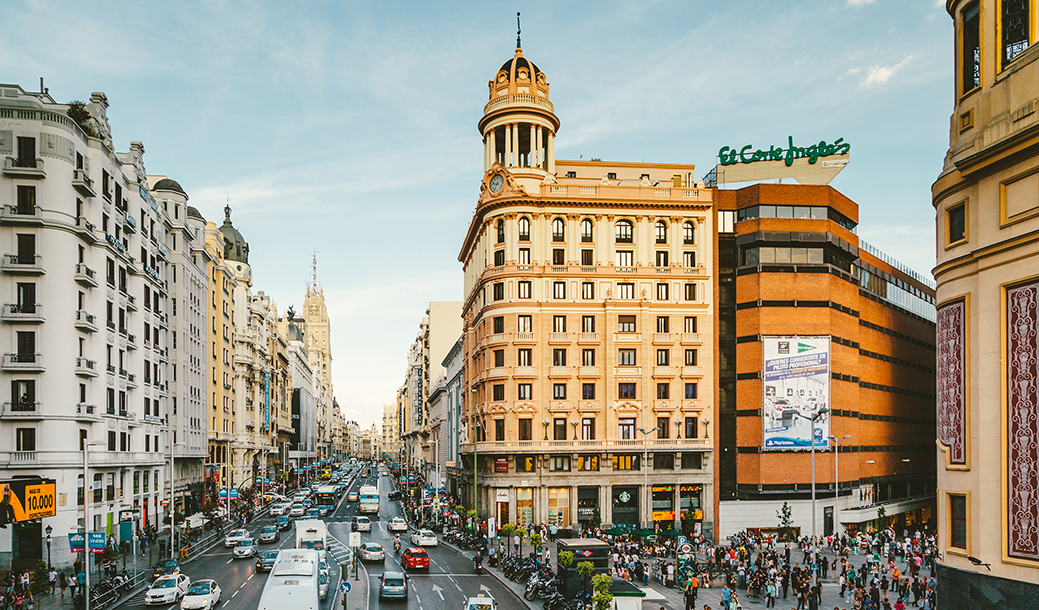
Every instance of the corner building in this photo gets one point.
(986, 204)
(587, 317)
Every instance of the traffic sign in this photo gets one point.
(344, 587)
(685, 548)
(682, 540)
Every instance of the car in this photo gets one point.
(353, 496)
(273, 497)
(397, 524)
(361, 524)
(322, 567)
(322, 586)
(383, 473)
(269, 534)
(313, 513)
(414, 559)
(265, 560)
(424, 538)
(393, 585)
(245, 548)
(167, 589)
(372, 551)
(480, 603)
(282, 523)
(393, 495)
(168, 566)
(280, 508)
(235, 537)
(201, 595)
(297, 510)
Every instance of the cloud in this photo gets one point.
(859, 2)
(878, 75)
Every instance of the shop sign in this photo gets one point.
(663, 515)
(731, 156)
(586, 512)
(501, 465)
(28, 499)
(690, 488)
(501, 495)
(668, 488)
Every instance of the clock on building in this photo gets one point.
(497, 182)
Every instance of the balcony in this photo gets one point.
(131, 342)
(131, 303)
(525, 338)
(131, 380)
(691, 338)
(16, 264)
(85, 276)
(21, 215)
(627, 337)
(111, 369)
(588, 338)
(22, 411)
(111, 325)
(123, 372)
(85, 229)
(558, 338)
(86, 322)
(560, 371)
(663, 371)
(624, 445)
(23, 363)
(691, 371)
(130, 226)
(82, 183)
(663, 338)
(86, 367)
(22, 313)
(87, 413)
(588, 371)
(123, 331)
(31, 169)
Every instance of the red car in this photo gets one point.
(414, 558)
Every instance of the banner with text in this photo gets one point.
(796, 375)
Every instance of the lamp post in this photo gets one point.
(837, 483)
(678, 429)
(544, 424)
(573, 425)
(48, 530)
(813, 419)
(86, 521)
(645, 469)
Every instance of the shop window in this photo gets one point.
(626, 462)
(525, 463)
(588, 462)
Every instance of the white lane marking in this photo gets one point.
(457, 587)
(250, 576)
(235, 593)
(230, 560)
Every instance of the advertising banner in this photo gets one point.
(97, 542)
(796, 376)
(76, 542)
(26, 499)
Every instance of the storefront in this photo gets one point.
(588, 514)
(524, 506)
(501, 500)
(691, 506)
(559, 506)
(663, 506)
(625, 507)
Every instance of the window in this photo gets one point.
(691, 392)
(499, 429)
(626, 390)
(499, 291)
(499, 391)
(588, 391)
(111, 440)
(586, 230)
(26, 152)
(626, 357)
(663, 294)
(559, 429)
(26, 197)
(958, 521)
(498, 324)
(558, 290)
(501, 231)
(663, 324)
(524, 391)
(663, 393)
(588, 357)
(690, 357)
(611, 175)
(587, 290)
(664, 425)
(525, 464)
(689, 324)
(559, 356)
(25, 439)
(571, 174)
(558, 391)
(499, 357)
(524, 256)
(687, 233)
(1014, 24)
(558, 230)
(499, 258)
(663, 357)
(692, 461)
(625, 324)
(662, 258)
(624, 232)
(559, 324)
(626, 290)
(588, 429)
(625, 258)
(523, 289)
(525, 427)
(689, 259)
(956, 218)
(660, 232)
(690, 291)
(588, 324)
(558, 256)
(559, 462)
(523, 324)
(523, 356)
(524, 228)
(626, 462)
(663, 461)
(587, 258)
(970, 41)
(588, 462)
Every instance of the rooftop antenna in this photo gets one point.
(518, 45)
(315, 269)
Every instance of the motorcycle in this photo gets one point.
(478, 564)
(396, 546)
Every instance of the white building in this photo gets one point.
(444, 419)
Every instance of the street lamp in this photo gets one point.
(573, 425)
(813, 419)
(678, 429)
(645, 467)
(837, 481)
(544, 424)
(49, 529)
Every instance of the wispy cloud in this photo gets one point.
(879, 75)
(859, 2)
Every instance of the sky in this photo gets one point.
(349, 129)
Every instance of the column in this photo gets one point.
(515, 145)
(551, 154)
(540, 162)
(674, 238)
(532, 155)
(508, 146)
(492, 147)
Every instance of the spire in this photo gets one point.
(518, 30)
(315, 270)
(227, 211)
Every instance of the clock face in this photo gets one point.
(497, 181)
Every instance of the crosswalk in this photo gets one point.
(338, 550)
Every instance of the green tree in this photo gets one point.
(786, 520)
(506, 531)
(596, 520)
(39, 578)
(585, 570)
(535, 539)
(522, 533)
(602, 599)
(460, 510)
(566, 559)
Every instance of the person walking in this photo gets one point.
(52, 578)
(770, 595)
(63, 583)
(690, 597)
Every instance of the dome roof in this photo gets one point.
(519, 75)
(518, 63)
(194, 213)
(169, 185)
(235, 246)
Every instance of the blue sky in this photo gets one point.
(349, 128)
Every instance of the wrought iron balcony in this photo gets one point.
(30, 215)
(24, 168)
(85, 276)
(16, 264)
(22, 313)
(83, 183)
(23, 362)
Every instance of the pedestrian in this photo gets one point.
(52, 578)
(63, 583)
(690, 597)
(770, 595)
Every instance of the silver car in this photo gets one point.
(245, 548)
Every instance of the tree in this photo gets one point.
(522, 533)
(506, 531)
(596, 520)
(602, 599)
(566, 559)
(584, 570)
(535, 539)
(786, 520)
(39, 578)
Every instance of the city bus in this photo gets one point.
(325, 499)
(311, 534)
(293, 582)
(369, 499)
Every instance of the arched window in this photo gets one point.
(661, 232)
(624, 232)
(586, 230)
(687, 233)
(501, 231)
(558, 230)
(524, 228)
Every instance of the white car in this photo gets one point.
(397, 524)
(372, 551)
(202, 595)
(235, 537)
(297, 510)
(480, 603)
(280, 509)
(245, 548)
(167, 589)
(424, 538)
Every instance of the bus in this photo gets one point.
(325, 499)
(293, 582)
(369, 499)
(311, 534)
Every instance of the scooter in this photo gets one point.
(396, 547)
(478, 564)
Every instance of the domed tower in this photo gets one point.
(235, 246)
(518, 125)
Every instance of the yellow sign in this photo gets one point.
(24, 501)
(663, 515)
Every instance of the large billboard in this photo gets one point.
(796, 386)
(26, 499)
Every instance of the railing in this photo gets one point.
(22, 358)
(83, 270)
(18, 260)
(21, 407)
(85, 363)
(85, 409)
(24, 309)
(604, 445)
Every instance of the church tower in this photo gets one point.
(318, 341)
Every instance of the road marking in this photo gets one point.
(233, 594)
(457, 587)
(230, 560)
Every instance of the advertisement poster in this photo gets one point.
(796, 385)
(26, 500)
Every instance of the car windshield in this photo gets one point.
(479, 606)
(201, 588)
(393, 582)
(270, 529)
(419, 554)
(172, 563)
(165, 583)
(374, 547)
(239, 533)
(246, 542)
